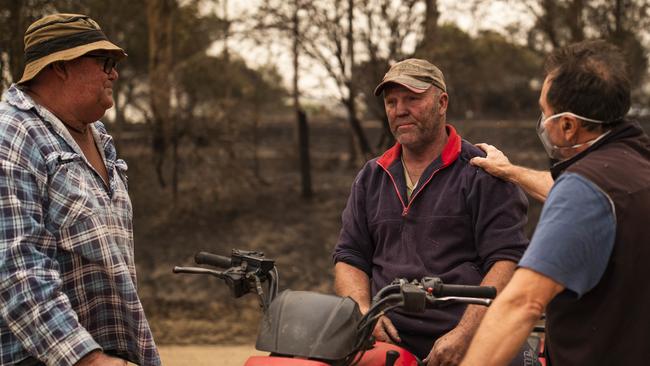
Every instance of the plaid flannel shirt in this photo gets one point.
(67, 273)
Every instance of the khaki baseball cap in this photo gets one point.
(63, 37)
(415, 74)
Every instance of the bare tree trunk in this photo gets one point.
(376, 68)
(548, 23)
(296, 44)
(175, 163)
(159, 16)
(350, 102)
(575, 20)
(256, 143)
(226, 31)
(357, 129)
(351, 91)
(352, 148)
(301, 116)
(16, 55)
(426, 47)
(175, 140)
(305, 161)
(120, 104)
(227, 86)
(619, 15)
(118, 123)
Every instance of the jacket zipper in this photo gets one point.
(405, 208)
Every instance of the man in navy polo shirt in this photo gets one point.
(420, 210)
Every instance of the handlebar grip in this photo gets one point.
(485, 292)
(212, 260)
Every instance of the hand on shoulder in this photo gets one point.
(495, 162)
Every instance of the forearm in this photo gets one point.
(535, 182)
(502, 332)
(511, 317)
(353, 282)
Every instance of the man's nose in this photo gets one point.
(400, 108)
(113, 75)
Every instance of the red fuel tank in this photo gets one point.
(373, 357)
(281, 361)
(377, 355)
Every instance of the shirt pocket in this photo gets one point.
(73, 193)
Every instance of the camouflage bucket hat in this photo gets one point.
(62, 37)
(415, 74)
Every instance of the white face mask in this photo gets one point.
(554, 151)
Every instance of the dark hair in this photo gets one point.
(589, 79)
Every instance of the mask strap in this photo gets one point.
(588, 143)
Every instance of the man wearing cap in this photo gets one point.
(420, 210)
(68, 283)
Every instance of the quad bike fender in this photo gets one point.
(377, 355)
(373, 357)
(281, 361)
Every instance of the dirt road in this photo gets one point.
(206, 355)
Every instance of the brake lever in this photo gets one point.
(198, 270)
(448, 300)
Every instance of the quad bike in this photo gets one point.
(301, 328)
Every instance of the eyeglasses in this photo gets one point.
(109, 62)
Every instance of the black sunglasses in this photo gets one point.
(109, 62)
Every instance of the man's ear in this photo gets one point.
(569, 126)
(60, 70)
(443, 103)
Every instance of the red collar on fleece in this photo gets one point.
(449, 153)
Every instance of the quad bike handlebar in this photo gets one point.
(245, 272)
(250, 271)
(213, 260)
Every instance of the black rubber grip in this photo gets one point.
(483, 292)
(212, 260)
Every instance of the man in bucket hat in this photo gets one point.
(422, 210)
(68, 283)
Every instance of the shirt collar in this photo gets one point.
(18, 98)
